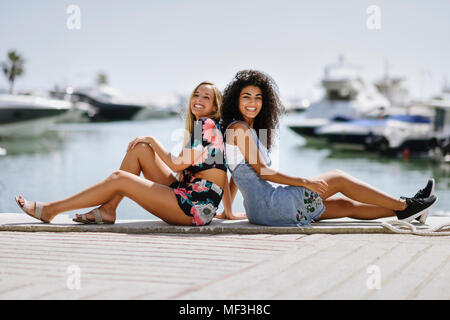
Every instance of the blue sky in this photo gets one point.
(170, 46)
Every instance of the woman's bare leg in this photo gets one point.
(140, 159)
(155, 198)
(339, 181)
(340, 207)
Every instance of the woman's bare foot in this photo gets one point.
(108, 214)
(30, 208)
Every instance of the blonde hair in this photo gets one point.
(190, 118)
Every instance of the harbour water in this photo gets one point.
(72, 157)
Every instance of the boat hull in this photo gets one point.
(17, 115)
(110, 111)
(377, 143)
(304, 131)
(115, 112)
(380, 135)
(29, 128)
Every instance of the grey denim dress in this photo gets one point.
(270, 205)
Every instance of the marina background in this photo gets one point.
(156, 52)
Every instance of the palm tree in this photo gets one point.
(13, 68)
(102, 79)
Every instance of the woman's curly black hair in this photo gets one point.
(269, 115)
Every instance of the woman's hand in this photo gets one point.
(232, 216)
(137, 140)
(317, 185)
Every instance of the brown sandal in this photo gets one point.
(97, 215)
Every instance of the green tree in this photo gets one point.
(13, 68)
(102, 79)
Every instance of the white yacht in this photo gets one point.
(441, 106)
(80, 111)
(160, 105)
(295, 104)
(29, 115)
(391, 134)
(348, 95)
(395, 90)
(111, 104)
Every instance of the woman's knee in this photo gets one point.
(118, 175)
(142, 149)
(339, 173)
(142, 146)
(118, 181)
(339, 177)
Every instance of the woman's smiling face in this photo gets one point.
(202, 102)
(250, 103)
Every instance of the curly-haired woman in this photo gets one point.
(193, 199)
(250, 112)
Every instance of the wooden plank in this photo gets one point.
(223, 266)
(392, 266)
(286, 282)
(229, 286)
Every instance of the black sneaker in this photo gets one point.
(427, 191)
(424, 193)
(415, 207)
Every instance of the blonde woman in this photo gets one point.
(192, 199)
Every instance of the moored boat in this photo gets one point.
(29, 115)
(441, 125)
(348, 95)
(393, 133)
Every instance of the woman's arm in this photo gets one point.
(242, 137)
(233, 189)
(230, 190)
(176, 164)
(227, 200)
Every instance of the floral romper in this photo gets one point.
(200, 198)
